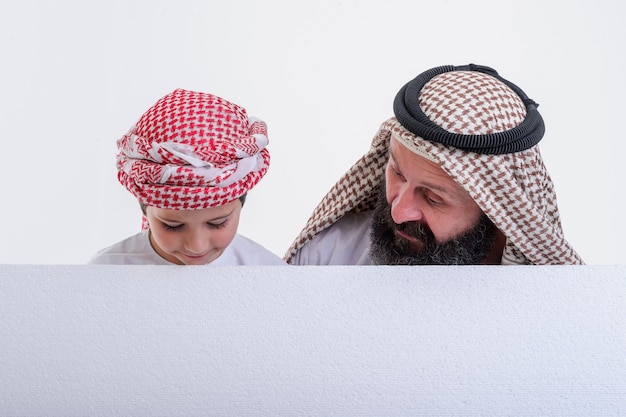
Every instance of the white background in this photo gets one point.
(77, 74)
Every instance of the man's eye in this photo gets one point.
(396, 173)
(434, 201)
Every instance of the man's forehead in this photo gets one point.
(421, 164)
(413, 143)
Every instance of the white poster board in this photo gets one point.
(312, 341)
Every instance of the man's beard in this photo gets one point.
(468, 248)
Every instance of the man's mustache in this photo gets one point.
(418, 230)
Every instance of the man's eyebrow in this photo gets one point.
(426, 184)
(392, 158)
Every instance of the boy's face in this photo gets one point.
(193, 237)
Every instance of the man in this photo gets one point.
(455, 178)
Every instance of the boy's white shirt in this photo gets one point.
(137, 250)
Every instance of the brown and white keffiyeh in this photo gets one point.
(192, 150)
(510, 185)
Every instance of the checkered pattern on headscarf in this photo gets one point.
(192, 150)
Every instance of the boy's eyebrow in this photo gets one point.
(222, 217)
(165, 219)
(218, 218)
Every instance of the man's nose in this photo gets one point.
(406, 206)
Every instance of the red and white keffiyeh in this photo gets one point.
(513, 189)
(192, 150)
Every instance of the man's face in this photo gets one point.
(424, 217)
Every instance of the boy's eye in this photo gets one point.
(218, 225)
(172, 227)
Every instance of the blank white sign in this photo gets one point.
(312, 341)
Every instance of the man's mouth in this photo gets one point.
(415, 243)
